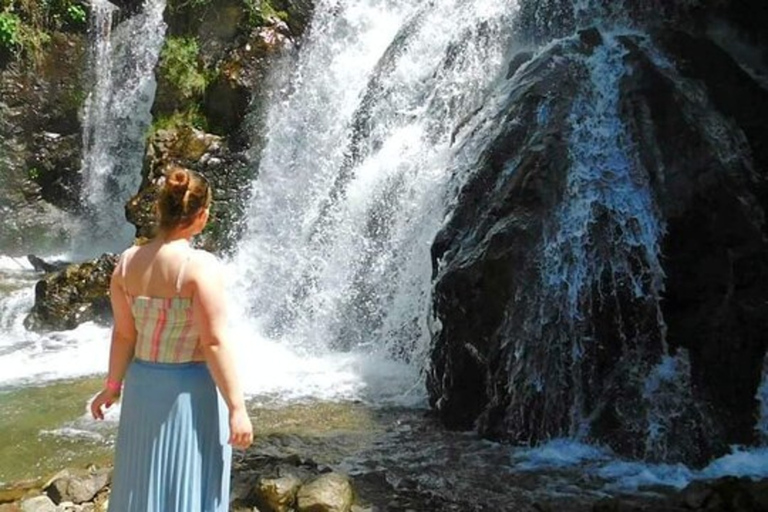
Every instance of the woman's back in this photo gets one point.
(178, 421)
(157, 270)
(159, 287)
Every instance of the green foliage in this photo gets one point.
(9, 32)
(34, 173)
(25, 25)
(179, 65)
(261, 11)
(187, 5)
(76, 15)
(32, 41)
(192, 116)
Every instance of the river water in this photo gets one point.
(347, 410)
(330, 287)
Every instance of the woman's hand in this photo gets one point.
(240, 429)
(105, 399)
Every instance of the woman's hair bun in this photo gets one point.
(177, 181)
(183, 194)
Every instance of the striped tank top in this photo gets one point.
(165, 330)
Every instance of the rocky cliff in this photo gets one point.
(603, 275)
(40, 96)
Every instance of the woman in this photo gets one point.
(169, 342)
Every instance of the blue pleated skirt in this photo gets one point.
(171, 453)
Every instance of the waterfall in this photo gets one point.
(116, 117)
(543, 20)
(762, 397)
(353, 181)
(608, 227)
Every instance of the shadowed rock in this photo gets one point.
(604, 272)
(41, 265)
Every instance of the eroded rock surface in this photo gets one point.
(604, 272)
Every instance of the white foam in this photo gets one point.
(633, 476)
(558, 453)
(278, 369)
(752, 463)
(73, 433)
(60, 355)
(14, 263)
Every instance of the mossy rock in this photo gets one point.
(76, 294)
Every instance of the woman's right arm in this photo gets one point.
(122, 346)
(209, 310)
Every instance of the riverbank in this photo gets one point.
(397, 459)
(46, 428)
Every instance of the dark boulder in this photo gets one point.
(604, 272)
(728, 493)
(715, 257)
(76, 294)
(41, 265)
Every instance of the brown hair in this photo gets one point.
(184, 195)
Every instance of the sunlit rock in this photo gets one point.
(278, 494)
(203, 152)
(331, 492)
(77, 486)
(73, 295)
(37, 504)
(239, 88)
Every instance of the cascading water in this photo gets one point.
(388, 108)
(608, 228)
(116, 118)
(352, 182)
(31, 358)
(551, 285)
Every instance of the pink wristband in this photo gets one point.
(113, 385)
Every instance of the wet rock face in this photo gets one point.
(237, 52)
(76, 294)
(55, 168)
(604, 273)
(204, 152)
(715, 250)
(239, 89)
(40, 150)
(299, 14)
(728, 493)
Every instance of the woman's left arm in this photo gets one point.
(122, 346)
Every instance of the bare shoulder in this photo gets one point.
(201, 257)
(121, 260)
(130, 251)
(204, 264)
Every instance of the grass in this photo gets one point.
(180, 67)
(26, 25)
(191, 116)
